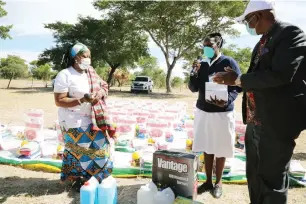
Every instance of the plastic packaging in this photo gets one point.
(34, 120)
(146, 193)
(107, 191)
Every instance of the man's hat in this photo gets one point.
(256, 5)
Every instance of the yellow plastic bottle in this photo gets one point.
(189, 145)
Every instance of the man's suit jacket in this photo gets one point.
(277, 81)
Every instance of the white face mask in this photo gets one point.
(85, 63)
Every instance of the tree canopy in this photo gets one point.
(176, 27)
(13, 67)
(4, 30)
(112, 40)
(43, 72)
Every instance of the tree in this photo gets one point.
(44, 73)
(4, 30)
(13, 67)
(33, 66)
(177, 82)
(112, 40)
(176, 27)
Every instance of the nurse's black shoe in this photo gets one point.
(217, 191)
(205, 187)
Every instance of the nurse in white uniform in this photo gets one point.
(214, 123)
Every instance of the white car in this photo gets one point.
(142, 83)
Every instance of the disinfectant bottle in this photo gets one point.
(165, 197)
(107, 191)
(88, 192)
(146, 193)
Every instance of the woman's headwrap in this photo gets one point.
(78, 48)
(72, 51)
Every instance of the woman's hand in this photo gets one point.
(95, 99)
(220, 103)
(92, 98)
(63, 100)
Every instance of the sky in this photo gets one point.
(30, 37)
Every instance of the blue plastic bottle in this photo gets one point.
(88, 192)
(107, 191)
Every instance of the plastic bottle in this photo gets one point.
(107, 191)
(165, 197)
(88, 191)
(146, 193)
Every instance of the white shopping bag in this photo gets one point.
(214, 90)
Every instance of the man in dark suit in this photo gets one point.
(273, 101)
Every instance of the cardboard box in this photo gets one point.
(176, 170)
(182, 200)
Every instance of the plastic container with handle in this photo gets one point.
(88, 192)
(146, 193)
(107, 191)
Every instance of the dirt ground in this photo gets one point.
(29, 187)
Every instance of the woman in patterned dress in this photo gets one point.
(80, 95)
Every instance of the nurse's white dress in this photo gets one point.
(214, 133)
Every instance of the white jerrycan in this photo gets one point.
(146, 193)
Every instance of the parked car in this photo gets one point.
(142, 83)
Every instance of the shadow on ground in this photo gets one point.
(33, 187)
(36, 187)
(30, 90)
(127, 94)
(299, 156)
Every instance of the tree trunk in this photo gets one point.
(8, 86)
(110, 76)
(46, 84)
(168, 79)
(32, 82)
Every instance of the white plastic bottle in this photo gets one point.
(146, 193)
(165, 197)
(107, 191)
(88, 191)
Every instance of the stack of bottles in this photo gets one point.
(148, 194)
(34, 120)
(104, 193)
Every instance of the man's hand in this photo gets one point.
(228, 77)
(220, 103)
(196, 65)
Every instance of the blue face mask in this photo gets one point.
(251, 31)
(209, 52)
